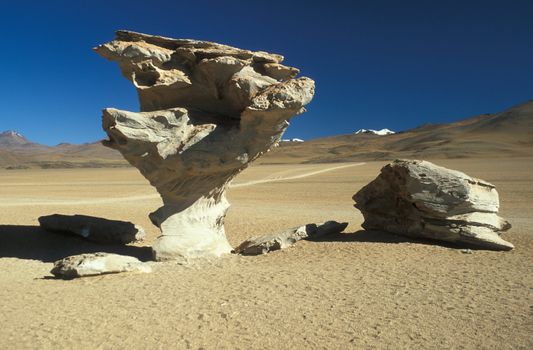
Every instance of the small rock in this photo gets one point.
(269, 243)
(93, 228)
(97, 264)
(326, 228)
(467, 251)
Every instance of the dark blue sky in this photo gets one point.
(377, 64)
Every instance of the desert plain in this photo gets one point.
(358, 289)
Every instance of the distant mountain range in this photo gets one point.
(505, 134)
(17, 152)
(381, 132)
(292, 140)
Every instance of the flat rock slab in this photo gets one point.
(93, 228)
(97, 264)
(265, 244)
(420, 199)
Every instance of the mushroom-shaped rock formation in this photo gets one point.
(420, 199)
(207, 111)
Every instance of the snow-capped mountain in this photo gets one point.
(292, 140)
(12, 138)
(11, 133)
(381, 132)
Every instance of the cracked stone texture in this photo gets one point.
(207, 111)
(420, 199)
(265, 244)
(97, 264)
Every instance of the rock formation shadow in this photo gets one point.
(371, 236)
(34, 243)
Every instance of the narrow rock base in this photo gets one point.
(204, 245)
(191, 231)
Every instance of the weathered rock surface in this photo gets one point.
(207, 111)
(93, 228)
(420, 199)
(269, 243)
(97, 264)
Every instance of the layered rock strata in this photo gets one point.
(420, 199)
(207, 111)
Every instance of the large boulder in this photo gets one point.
(93, 228)
(97, 264)
(207, 111)
(265, 244)
(420, 199)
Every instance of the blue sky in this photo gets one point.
(395, 64)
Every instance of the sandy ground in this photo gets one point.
(357, 290)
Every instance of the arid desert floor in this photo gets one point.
(355, 290)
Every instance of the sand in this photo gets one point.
(358, 290)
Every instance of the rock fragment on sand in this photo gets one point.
(207, 111)
(93, 228)
(420, 199)
(97, 264)
(268, 243)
